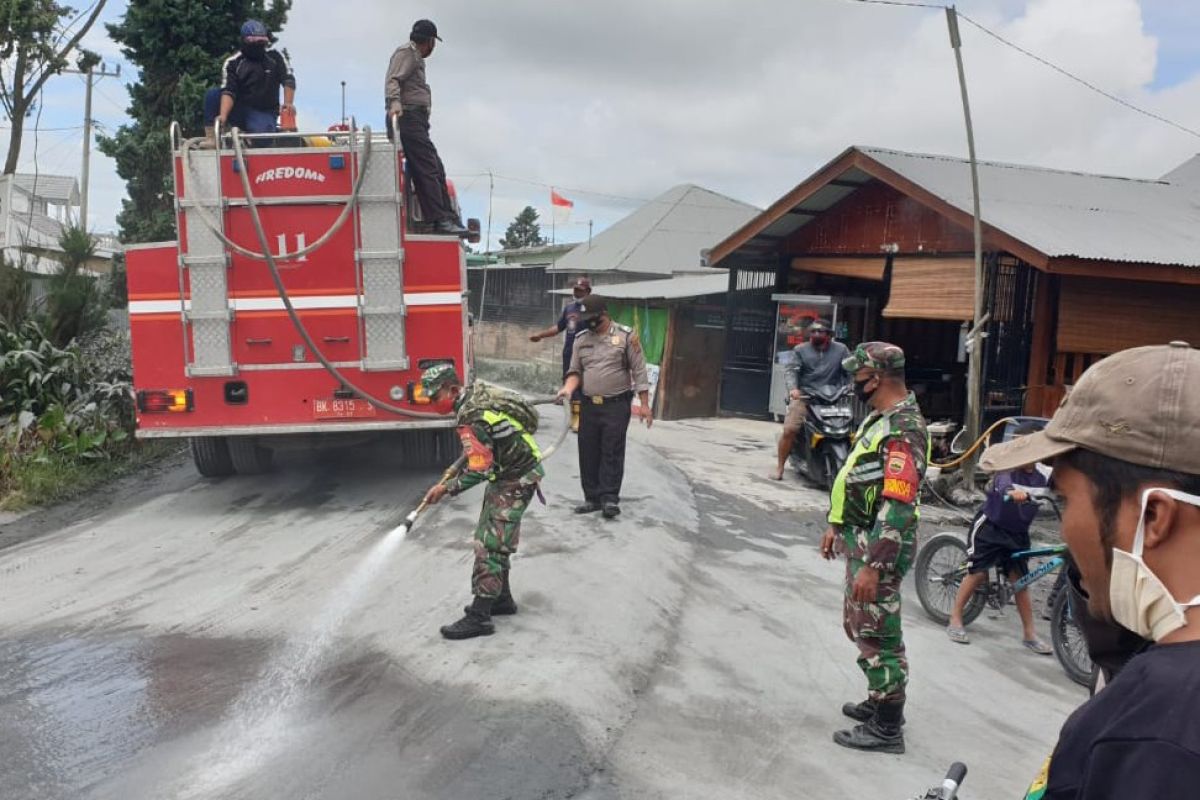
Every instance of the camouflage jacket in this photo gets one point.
(496, 446)
(875, 498)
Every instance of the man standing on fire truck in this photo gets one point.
(408, 100)
(500, 451)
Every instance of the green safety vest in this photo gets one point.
(493, 418)
(863, 472)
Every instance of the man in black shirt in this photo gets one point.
(250, 82)
(1126, 452)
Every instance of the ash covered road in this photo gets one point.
(264, 638)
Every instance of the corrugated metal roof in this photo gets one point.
(677, 288)
(61, 189)
(664, 236)
(1064, 214)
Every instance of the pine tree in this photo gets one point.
(178, 47)
(524, 231)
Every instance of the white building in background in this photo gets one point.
(34, 211)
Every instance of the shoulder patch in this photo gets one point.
(625, 328)
(479, 456)
(900, 478)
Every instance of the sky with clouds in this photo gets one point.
(617, 101)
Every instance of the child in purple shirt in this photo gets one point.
(1001, 529)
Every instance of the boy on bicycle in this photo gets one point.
(1000, 530)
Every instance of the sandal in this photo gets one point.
(1037, 646)
(958, 635)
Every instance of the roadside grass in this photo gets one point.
(49, 477)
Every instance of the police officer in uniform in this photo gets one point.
(607, 363)
(874, 508)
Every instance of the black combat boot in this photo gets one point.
(588, 507)
(476, 622)
(861, 711)
(504, 604)
(880, 734)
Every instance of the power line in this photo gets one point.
(1039, 59)
(1081, 81)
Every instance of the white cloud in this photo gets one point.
(746, 97)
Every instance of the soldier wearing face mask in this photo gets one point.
(874, 508)
(1127, 462)
(251, 80)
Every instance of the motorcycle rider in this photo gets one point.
(815, 363)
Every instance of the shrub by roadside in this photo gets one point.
(66, 415)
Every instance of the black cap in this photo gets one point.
(424, 29)
(593, 306)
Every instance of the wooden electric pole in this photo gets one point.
(975, 336)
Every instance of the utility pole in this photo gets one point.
(975, 335)
(90, 76)
(589, 234)
(343, 102)
(487, 248)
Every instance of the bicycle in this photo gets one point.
(942, 565)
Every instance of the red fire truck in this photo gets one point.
(239, 352)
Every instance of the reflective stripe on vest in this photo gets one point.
(866, 442)
(494, 418)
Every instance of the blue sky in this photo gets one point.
(619, 101)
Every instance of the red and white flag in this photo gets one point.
(561, 207)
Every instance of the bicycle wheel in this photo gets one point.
(1069, 645)
(940, 569)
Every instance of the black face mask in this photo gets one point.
(860, 392)
(592, 324)
(254, 51)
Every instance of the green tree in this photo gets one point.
(524, 231)
(118, 286)
(178, 47)
(37, 38)
(75, 303)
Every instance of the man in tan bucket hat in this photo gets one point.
(1125, 446)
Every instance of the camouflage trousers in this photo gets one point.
(875, 629)
(498, 533)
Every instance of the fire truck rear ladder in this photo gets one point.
(379, 259)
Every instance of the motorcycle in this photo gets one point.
(823, 444)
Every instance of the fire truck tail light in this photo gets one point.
(416, 391)
(165, 401)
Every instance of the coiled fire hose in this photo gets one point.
(971, 450)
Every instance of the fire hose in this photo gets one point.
(277, 280)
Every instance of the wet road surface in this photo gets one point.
(266, 638)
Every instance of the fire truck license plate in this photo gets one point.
(332, 408)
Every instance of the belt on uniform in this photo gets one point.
(599, 399)
(415, 108)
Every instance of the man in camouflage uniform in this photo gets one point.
(874, 508)
(499, 450)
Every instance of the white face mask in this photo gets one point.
(1137, 597)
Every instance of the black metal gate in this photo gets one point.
(749, 335)
(1010, 286)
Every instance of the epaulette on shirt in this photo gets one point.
(625, 328)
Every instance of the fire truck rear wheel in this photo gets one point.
(211, 455)
(248, 456)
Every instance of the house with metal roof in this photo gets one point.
(1076, 266)
(662, 238)
(34, 212)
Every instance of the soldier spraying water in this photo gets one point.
(496, 428)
